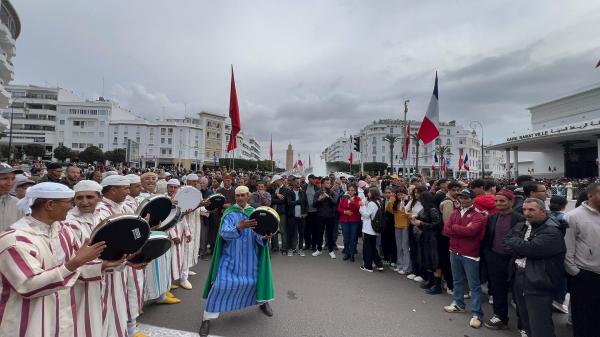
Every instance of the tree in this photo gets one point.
(115, 156)
(34, 150)
(415, 139)
(91, 154)
(62, 153)
(391, 139)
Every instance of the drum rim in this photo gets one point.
(189, 188)
(167, 225)
(165, 238)
(116, 217)
(147, 200)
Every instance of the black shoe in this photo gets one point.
(204, 328)
(351, 258)
(495, 323)
(426, 285)
(346, 257)
(266, 309)
(436, 288)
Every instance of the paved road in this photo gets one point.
(321, 297)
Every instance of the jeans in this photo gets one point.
(350, 233)
(460, 266)
(402, 249)
(370, 253)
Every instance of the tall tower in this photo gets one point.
(289, 158)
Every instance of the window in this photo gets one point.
(62, 122)
(170, 141)
(137, 139)
(448, 132)
(438, 141)
(162, 140)
(72, 111)
(374, 159)
(101, 146)
(170, 131)
(102, 124)
(100, 134)
(163, 131)
(115, 140)
(448, 141)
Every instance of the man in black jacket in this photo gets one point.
(539, 250)
(279, 202)
(326, 206)
(497, 258)
(296, 215)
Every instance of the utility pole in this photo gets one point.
(482, 156)
(404, 138)
(10, 134)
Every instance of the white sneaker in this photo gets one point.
(411, 276)
(491, 300)
(449, 292)
(467, 295)
(475, 322)
(560, 307)
(301, 252)
(523, 333)
(332, 255)
(290, 253)
(453, 307)
(317, 253)
(401, 272)
(393, 265)
(418, 279)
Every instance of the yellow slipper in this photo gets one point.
(139, 334)
(174, 286)
(186, 285)
(169, 294)
(170, 300)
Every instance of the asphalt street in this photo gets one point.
(322, 297)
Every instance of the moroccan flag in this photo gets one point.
(271, 149)
(234, 114)
(466, 162)
(428, 130)
(407, 140)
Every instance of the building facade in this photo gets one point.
(248, 146)
(10, 28)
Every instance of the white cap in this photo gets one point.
(174, 182)
(275, 178)
(45, 190)
(109, 173)
(192, 176)
(87, 186)
(115, 180)
(133, 178)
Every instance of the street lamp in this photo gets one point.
(478, 123)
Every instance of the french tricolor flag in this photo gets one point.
(428, 130)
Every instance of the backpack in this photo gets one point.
(378, 221)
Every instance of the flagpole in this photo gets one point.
(404, 155)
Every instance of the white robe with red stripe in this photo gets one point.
(180, 231)
(135, 277)
(88, 296)
(192, 248)
(115, 311)
(36, 296)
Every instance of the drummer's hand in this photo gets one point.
(85, 254)
(188, 238)
(147, 217)
(204, 203)
(113, 264)
(174, 202)
(137, 265)
(267, 237)
(176, 241)
(246, 224)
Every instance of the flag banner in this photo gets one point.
(234, 114)
(466, 162)
(428, 130)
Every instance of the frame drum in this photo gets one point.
(162, 212)
(158, 243)
(123, 234)
(267, 220)
(217, 201)
(188, 197)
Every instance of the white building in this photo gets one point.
(340, 151)
(494, 163)
(10, 28)
(374, 148)
(247, 145)
(563, 140)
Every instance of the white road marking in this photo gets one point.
(156, 331)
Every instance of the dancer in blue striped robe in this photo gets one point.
(240, 274)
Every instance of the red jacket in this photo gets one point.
(351, 206)
(466, 232)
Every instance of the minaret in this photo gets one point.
(289, 158)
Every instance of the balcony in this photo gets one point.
(6, 68)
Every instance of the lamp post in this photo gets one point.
(478, 123)
(10, 131)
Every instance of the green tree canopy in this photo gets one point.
(91, 154)
(62, 153)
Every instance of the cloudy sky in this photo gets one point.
(306, 71)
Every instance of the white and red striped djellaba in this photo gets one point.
(191, 249)
(179, 231)
(114, 293)
(36, 297)
(88, 296)
(135, 277)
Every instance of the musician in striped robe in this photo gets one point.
(240, 272)
(191, 249)
(158, 271)
(39, 265)
(179, 234)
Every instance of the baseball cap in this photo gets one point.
(22, 179)
(5, 168)
(467, 192)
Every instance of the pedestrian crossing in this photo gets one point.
(156, 331)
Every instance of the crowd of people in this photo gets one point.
(508, 238)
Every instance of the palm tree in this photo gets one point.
(414, 138)
(391, 139)
(443, 152)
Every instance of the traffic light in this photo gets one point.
(356, 142)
